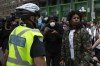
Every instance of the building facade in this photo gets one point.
(89, 8)
(8, 6)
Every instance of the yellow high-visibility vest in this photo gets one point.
(20, 42)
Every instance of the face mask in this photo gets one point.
(52, 24)
(91, 24)
(34, 22)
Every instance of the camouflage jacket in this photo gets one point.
(81, 42)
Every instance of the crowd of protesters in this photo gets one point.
(67, 43)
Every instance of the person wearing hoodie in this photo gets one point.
(53, 32)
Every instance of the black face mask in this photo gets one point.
(34, 22)
(76, 26)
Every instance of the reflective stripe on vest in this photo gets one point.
(18, 59)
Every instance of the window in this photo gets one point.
(42, 4)
(65, 1)
(52, 2)
(81, 0)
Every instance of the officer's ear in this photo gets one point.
(32, 18)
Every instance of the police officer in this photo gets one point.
(25, 43)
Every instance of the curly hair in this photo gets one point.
(52, 18)
(70, 15)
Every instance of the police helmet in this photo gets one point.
(27, 10)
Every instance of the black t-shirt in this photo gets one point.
(37, 48)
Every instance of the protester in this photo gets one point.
(53, 32)
(75, 42)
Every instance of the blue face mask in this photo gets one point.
(39, 23)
